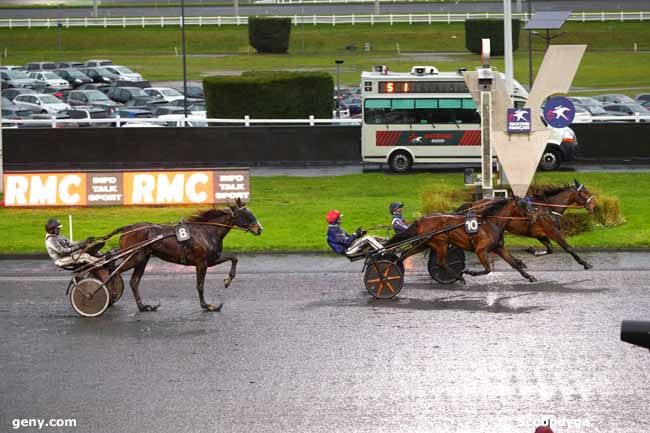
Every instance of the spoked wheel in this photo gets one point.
(384, 279)
(455, 263)
(116, 287)
(89, 297)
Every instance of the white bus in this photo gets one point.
(427, 116)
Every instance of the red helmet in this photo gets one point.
(332, 216)
(543, 429)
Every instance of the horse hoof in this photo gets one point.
(530, 250)
(588, 266)
(144, 308)
(226, 282)
(212, 308)
(532, 279)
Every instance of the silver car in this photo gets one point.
(41, 103)
(16, 78)
(123, 72)
(49, 79)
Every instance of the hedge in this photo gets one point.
(269, 35)
(475, 30)
(277, 95)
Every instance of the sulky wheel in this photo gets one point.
(116, 287)
(384, 279)
(89, 297)
(455, 263)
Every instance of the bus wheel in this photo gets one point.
(400, 162)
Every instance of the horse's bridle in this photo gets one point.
(591, 196)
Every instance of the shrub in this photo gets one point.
(608, 211)
(478, 29)
(269, 35)
(434, 200)
(279, 95)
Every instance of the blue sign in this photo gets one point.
(559, 112)
(518, 120)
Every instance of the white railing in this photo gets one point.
(302, 19)
(176, 121)
(245, 121)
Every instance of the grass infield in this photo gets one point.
(292, 210)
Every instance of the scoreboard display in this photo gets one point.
(422, 87)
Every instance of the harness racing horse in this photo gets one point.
(549, 205)
(450, 228)
(202, 250)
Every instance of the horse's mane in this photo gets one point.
(547, 190)
(208, 215)
(493, 208)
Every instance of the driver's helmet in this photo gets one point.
(333, 216)
(395, 208)
(52, 224)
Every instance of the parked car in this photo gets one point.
(100, 75)
(168, 109)
(125, 95)
(15, 112)
(49, 79)
(47, 120)
(41, 103)
(92, 98)
(74, 77)
(195, 92)
(166, 94)
(10, 94)
(629, 109)
(582, 115)
(646, 104)
(354, 104)
(177, 120)
(95, 86)
(124, 73)
(86, 113)
(341, 110)
(613, 99)
(12, 68)
(95, 63)
(642, 98)
(66, 65)
(190, 102)
(143, 84)
(40, 66)
(61, 94)
(16, 78)
(131, 113)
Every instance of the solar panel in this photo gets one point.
(547, 20)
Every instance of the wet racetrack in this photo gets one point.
(300, 347)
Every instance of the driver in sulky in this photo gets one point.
(349, 244)
(65, 253)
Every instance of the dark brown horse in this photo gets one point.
(202, 250)
(488, 239)
(544, 222)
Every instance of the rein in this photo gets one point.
(214, 224)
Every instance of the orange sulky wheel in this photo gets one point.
(383, 279)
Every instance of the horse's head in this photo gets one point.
(583, 197)
(244, 218)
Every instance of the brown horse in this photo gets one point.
(202, 250)
(452, 228)
(544, 224)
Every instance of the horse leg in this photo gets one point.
(233, 267)
(546, 242)
(505, 255)
(138, 270)
(200, 281)
(555, 235)
(485, 261)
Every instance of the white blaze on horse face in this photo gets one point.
(190, 187)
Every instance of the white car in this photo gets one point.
(49, 79)
(166, 94)
(123, 72)
(582, 116)
(177, 120)
(41, 103)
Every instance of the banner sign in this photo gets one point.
(518, 120)
(165, 187)
(559, 112)
(428, 138)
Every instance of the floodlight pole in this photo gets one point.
(338, 62)
(530, 49)
(507, 44)
(184, 62)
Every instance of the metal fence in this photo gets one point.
(302, 19)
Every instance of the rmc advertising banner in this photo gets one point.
(126, 188)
